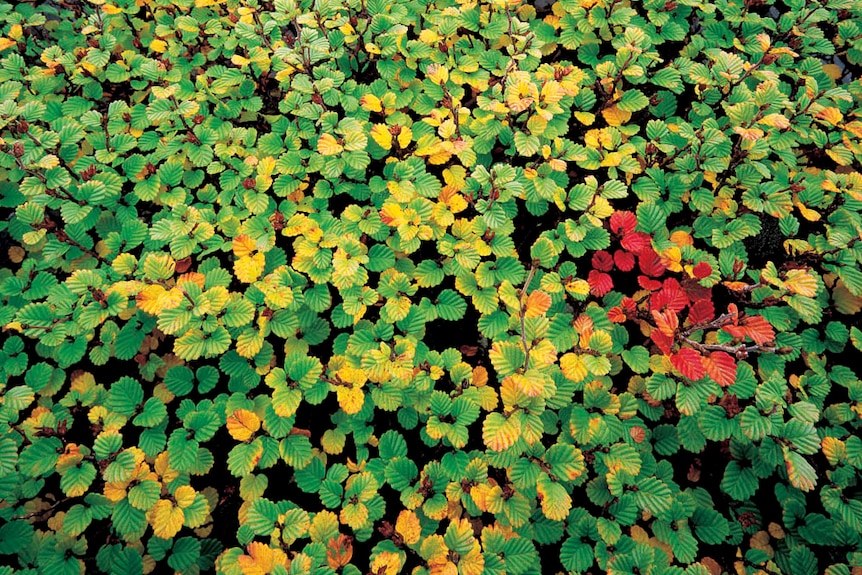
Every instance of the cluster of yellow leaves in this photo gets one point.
(250, 263)
(261, 559)
(384, 135)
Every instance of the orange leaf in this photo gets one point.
(758, 329)
(242, 424)
(242, 245)
(720, 367)
(666, 321)
(538, 303)
(339, 551)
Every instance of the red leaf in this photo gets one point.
(650, 264)
(701, 311)
(648, 284)
(617, 315)
(624, 260)
(695, 291)
(623, 223)
(670, 298)
(702, 270)
(689, 363)
(637, 242)
(603, 261)
(663, 342)
(720, 367)
(600, 283)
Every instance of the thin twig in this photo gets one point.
(522, 313)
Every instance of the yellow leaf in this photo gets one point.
(327, 145)
(776, 121)
(108, 9)
(578, 287)
(154, 299)
(386, 563)
(437, 73)
(573, 367)
(243, 246)
(585, 118)
(266, 166)
(165, 519)
(407, 525)
(248, 269)
(671, 259)
(616, 117)
(801, 282)
(404, 137)
(354, 515)
(531, 384)
(7, 43)
(371, 103)
(350, 399)
(185, 496)
(429, 37)
(808, 214)
(242, 424)
(158, 46)
(503, 437)
(557, 165)
(831, 115)
(16, 31)
(261, 559)
(392, 215)
(381, 136)
(834, 449)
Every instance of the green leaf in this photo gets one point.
(632, 101)
(243, 458)
(40, 457)
(185, 553)
(450, 306)
(145, 494)
(125, 395)
(575, 555)
(77, 520)
(296, 523)
(739, 482)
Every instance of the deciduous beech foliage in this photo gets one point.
(443, 288)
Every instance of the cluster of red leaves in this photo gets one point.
(635, 248)
(673, 309)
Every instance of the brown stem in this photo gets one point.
(522, 314)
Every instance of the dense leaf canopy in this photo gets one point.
(451, 287)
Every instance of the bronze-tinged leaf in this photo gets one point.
(339, 551)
